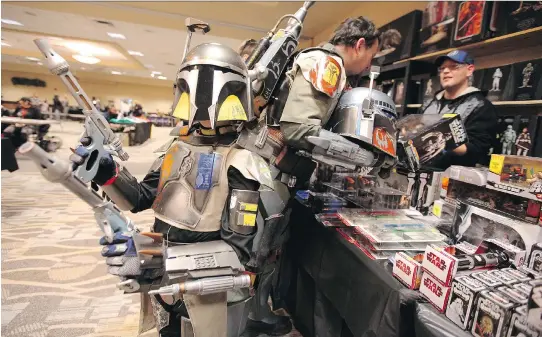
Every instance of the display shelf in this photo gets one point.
(414, 106)
(518, 103)
(490, 47)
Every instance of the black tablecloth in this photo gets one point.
(333, 289)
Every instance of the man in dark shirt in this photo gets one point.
(19, 134)
(477, 113)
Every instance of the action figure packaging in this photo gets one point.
(428, 191)
(380, 198)
(535, 259)
(534, 307)
(423, 137)
(496, 83)
(486, 278)
(440, 264)
(466, 248)
(470, 175)
(504, 277)
(518, 324)
(526, 80)
(436, 292)
(513, 294)
(506, 204)
(407, 270)
(464, 292)
(325, 202)
(437, 26)
(492, 314)
(517, 175)
(398, 38)
(524, 288)
(522, 15)
(330, 220)
(443, 209)
(531, 272)
(474, 224)
(522, 277)
(475, 21)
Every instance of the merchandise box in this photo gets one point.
(407, 270)
(496, 81)
(526, 80)
(399, 38)
(440, 264)
(522, 15)
(462, 300)
(535, 259)
(474, 224)
(516, 175)
(437, 26)
(475, 21)
(492, 314)
(534, 307)
(500, 202)
(436, 292)
(423, 137)
(518, 324)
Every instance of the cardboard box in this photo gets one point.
(503, 203)
(487, 279)
(513, 294)
(492, 315)
(535, 259)
(522, 277)
(517, 175)
(424, 137)
(407, 270)
(462, 300)
(516, 255)
(437, 26)
(474, 224)
(399, 38)
(436, 292)
(505, 278)
(534, 307)
(518, 324)
(439, 264)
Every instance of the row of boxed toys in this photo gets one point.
(487, 293)
(445, 24)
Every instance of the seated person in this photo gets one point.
(18, 133)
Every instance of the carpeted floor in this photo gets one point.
(54, 281)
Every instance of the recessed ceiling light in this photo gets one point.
(154, 73)
(87, 49)
(114, 72)
(5, 44)
(117, 36)
(86, 59)
(32, 58)
(149, 66)
(11, 22)
(40, 64)
(135, 53)
(162, 78)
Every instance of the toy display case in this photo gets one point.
(516, 175)
(399, 38)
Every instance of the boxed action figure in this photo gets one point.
(518, 324)
(516, 175)
(513, 294)
(439, 264)
(534, 307)
(407, 270)
(535, 259)
(398, 38)
(492, 314)
(462, 298)
(423, 137)
(429, 190)
(515, 255)
(505, 278)
(474, 224)
(506, 204)
(475, 20)
(437, 26)
(486, 278)
(522, 277)
(436, 292)
(522, 15)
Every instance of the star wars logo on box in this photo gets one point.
(491, 315)
(439, 264)
(407, 270)
(460, 304)
(436, 292)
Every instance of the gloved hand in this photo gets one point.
(122, 260)
(107, 169)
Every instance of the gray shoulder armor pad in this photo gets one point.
(165, 146)
(251, 166)
(157, 164)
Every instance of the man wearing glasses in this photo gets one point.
(477, 113)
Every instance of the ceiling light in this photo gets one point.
(40, 64)
(32, 58)
(149, 66)
(117, 36)
(162, 78)
(135, 53)
(86, 59)
(154, 73)
(11, 22)
(114, 72)
(87, 49)
(5, 44)
(83, 68)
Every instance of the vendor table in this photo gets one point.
(331, 288)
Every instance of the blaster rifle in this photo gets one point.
(109, 217)
(96, 126)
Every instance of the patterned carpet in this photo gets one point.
(54, 281)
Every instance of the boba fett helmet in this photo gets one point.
(213, 85)
(374, 131)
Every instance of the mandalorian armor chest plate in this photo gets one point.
(193, 186)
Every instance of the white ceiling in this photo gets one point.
(162, 48)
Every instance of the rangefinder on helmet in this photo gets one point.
(213, 85)
(374, 131)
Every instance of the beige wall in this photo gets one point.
(380, 13)
(151, 97)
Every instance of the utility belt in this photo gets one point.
(286, 165)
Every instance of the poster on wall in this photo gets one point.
(437, 24)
